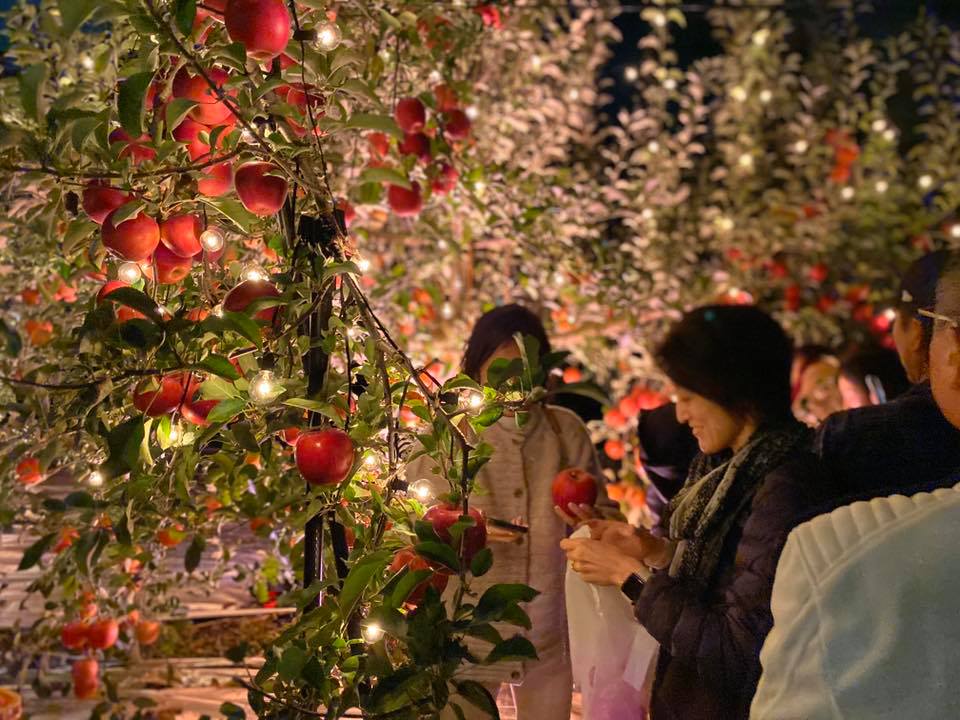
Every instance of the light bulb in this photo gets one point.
(480, 187)
(955, 230)
(760, 37)
(925, 181)
(217, 310)
(253, 273)
(175, 433)
(129, 272)
(801, 146)
(847, 193)
(328, 36)
(890, 314)
(889, 135)
(659, 19)
(262, 387)
(670, 84)
(574, 94)
(434, 77)
(442, 244)
(472, 112)
(212, 239)
(446, 311)
(476, 401)
(535, 62)
(370, 460)
(738, 93)
(421, 490)
(766, 96)
(363, 265)
(372, 632)
(95, 479)
(559, 278)
(745, 160)
(354, 333)
(882, 186)
(647, 213)
(653, 146)
(725, 223)
(631, 74)
(879, 125)
(87, 62)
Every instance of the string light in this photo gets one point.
(559, 278)
(724, 223)
(480, 187)
(263, 388)
(476, 401)
(766, 96)
(847, 193)
(631, 74)
(446, 311)
(421, 490)
(434, 77)
(87, 62)
(925, 181)
(363, 265)
(95, 479)
(328, 36)
(372, 632)
(254, 273)
(129, 272)
(653, 146)
(370, 460)
(670, 84)
(760, 37)
(745, 160)
(879, 125)
(536, 63)
(801, 146)
(955, 230)
(472, 112)
(889, 135)
(212, 239)
(659, 19)
(217, 310)
(882, 186)
(738, 93)
(647, 213)
(574, 94)
(890, 314)
(175, 433)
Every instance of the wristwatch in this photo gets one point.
(632, 587)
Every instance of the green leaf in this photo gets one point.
(460, 382)
(127, 211)
(176, 111)
(291, 663)
(439, 552)
(486, 632)
(226, 410)
(481, 562)
(141, 334)
(501, 370)
(359, 577)
(30, 79)
(131, 102)
(499, 597)
(382, 123)
(12, 344)
(32, 555)
(136, 299)
(124, 444)
(515, 648)
(478, 696)
(585, 389)
(241, 324)
(234, 211)
(75, 238)
(79, 499)
(191, 560)
(219, 365)
(407, 584)
(425, 532)
(237, 653)
(184, 13)
(384, 175)
(73, 13)
(317, 406)
(232, 712)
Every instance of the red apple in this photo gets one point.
(416, 144)
(403, 202)
(85, 678)
(615, 419)
(134, 239)
(103, 634)
(648, 399)
(474, 539)
(171, 268)
(124, 313)
(411, 115)
(147, 632)
(407, 558)
(65, 539)
(217, 180)
(28, 471)
(30, 296)
(614, 449)
(574, 485)
(446, 98)
(100, 200)
(456, 125)
(572, 375)
(264, 27)
(324, 457)
(197, 411)
(160, 398)
(238, 299)
(181, 233)
(171, 536)
(188, 131)
(73, 635)
(260, 193)
(819, 272)
(290, 435)
(446, 179)
(136, 149)
(379, 144)
(212, 8)
(210, 110)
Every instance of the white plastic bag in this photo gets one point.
(610, 651)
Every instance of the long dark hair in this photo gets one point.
(736, 356)
(496, 328)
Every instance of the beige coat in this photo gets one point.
(517, 482)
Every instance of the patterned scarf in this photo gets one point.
(717, 490)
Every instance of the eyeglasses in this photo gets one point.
(952, 322)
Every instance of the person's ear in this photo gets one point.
(915, 336)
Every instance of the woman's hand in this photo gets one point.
(575, 515)
(599, 563)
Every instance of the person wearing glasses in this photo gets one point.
(880, 449)
(865, 598)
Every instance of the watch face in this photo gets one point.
(632, 587)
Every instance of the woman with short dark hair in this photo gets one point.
(703, 589)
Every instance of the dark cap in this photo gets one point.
(918, 285)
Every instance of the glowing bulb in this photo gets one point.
(129, 272)
(847, 193)
(328, 36)
(653, 146)
(476, 401)
(659, 19)
(879, 125)
(87, 62)
(535, 62)
(217, 310)
(421, 490)
(446, 311)
(472, 112)
(766, 96)
(95, 479)
(434, 77)
(442, 244)
(889, 135)
(480, 187)
(882, 186)
(370, 460)
(354, 333)
(363, 265)
(955, 230)
(175, 433)
(559, 278)
(890, 314)
(670, 84)
(574, 94)
(631, 74)
(745, 160)
(760, 37)
(212, 239)
(725, 223)
(801, 146)
(925, 181)
(372, 632)
(738, 93)
(253, 273)
(262, 387)
(247, 136)
(647, 213)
